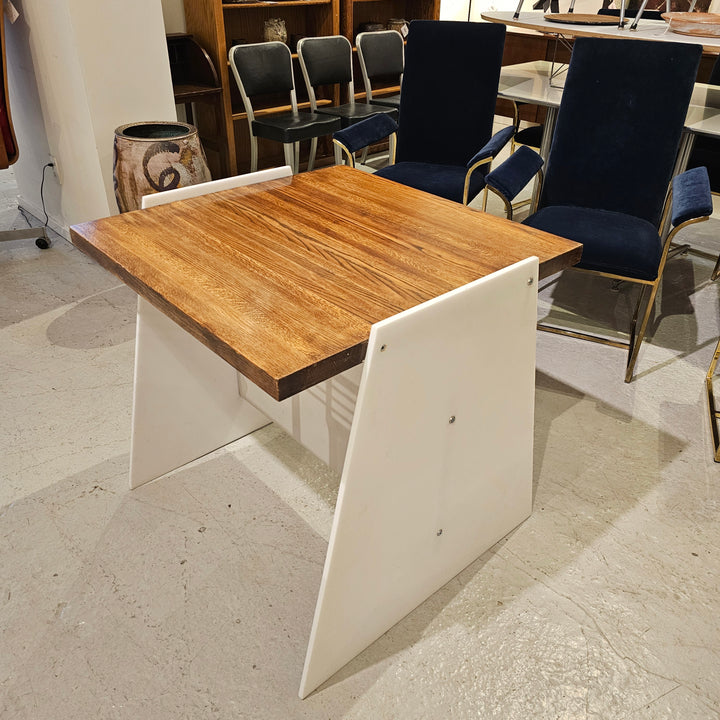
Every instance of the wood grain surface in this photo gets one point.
(284, 279)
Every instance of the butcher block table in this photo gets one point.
(390, 331)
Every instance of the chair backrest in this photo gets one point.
(381, 55)
(326, 61)
(619, 125)
(449, 90)
(183, 193)
(263, 69)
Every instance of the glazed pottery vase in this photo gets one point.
(150, 157)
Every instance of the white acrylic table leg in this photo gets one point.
(439, 461)
(186, 401)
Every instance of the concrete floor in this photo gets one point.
(192, 597)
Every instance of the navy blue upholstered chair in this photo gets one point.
(611, 162)
(456, 65)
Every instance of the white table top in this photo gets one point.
(530, 82)
(647, 29)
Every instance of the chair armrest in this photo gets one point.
(492, 147)
(509, 178)
(366, 132)
(692, 197)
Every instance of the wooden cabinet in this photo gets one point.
(354, 13)
(217, 26)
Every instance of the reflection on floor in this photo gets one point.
(192, 597)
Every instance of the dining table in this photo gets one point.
(572, 25)
(390, 331)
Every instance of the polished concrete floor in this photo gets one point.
(192, 597)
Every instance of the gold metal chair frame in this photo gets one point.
(636, 337)
(514, 145)
(345, 151)
(712, 409)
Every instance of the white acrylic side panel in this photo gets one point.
(319, 418)
(186, 401)
(421, 497)
(191, 191)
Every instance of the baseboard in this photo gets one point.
(39, 214)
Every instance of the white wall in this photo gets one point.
(174, 14)
(77, 70)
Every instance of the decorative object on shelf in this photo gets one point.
(150, 157)
(399, 24)
(694, 23)
(275, 30)
(370, 27)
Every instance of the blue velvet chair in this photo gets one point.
(608, 176)
(448, 151)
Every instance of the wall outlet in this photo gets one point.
(56, 169)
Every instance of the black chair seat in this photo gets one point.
(353, 112)
(294, 128)
(531, 136)
(706, 152)
(392, 101)
(445, 181)
(612, 242)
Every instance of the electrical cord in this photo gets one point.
(42, 185)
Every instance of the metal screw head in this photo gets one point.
(382, 348)
(452, 419)
(439, 532)
(530, 281)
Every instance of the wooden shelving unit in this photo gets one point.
(354, 13)
(218, 25)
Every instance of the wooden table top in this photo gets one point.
(284, 279)
(646, 29)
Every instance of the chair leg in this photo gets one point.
(714, 415)
(290, 156)
(296, 155)
(253, 153)
(716, 271)
(338, 154)
(636, 340)
(313, 152)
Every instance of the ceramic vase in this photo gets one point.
(150, 157)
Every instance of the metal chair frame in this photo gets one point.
(636, 336)
(291, 150)
(372, 66)
(712, 409)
